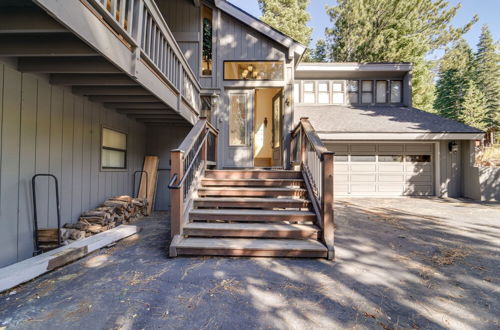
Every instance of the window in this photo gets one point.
(207, 33)
(114, 149)
(353, 90)
(363, 158)
(296, 92)
(238, 120)
(323, 92)
(366, 91)
(381, 91)
(338, 92)
(396, 91)
(254, 70)
(390, 159)
(418, 158)
(309, 92)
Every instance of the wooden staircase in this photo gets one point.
(251, 213)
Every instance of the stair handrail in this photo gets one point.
(188, 164)
(316, 164)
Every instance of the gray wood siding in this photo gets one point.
(451, 169)
(160, 141)
(46, 128)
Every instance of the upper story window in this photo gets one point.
(207, 33)
(396, 91)
(338, 92)
(113, 149)
(353, 90)
(348, 92)
(366, 91)
(254, 70)
(309, 92)
(324, 92)
(381, 91)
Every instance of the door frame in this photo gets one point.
(279, 96)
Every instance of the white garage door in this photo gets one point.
(383, 169)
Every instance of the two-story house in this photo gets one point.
(88, 88)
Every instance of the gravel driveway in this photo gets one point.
(401, 263)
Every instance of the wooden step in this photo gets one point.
(253, 174)
(250, 215)
(264, 203)
(252, 182)
(250, 247)
(251, 192)
(271, 230)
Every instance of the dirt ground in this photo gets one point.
(401, 263)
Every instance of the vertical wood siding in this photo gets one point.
(46, 128)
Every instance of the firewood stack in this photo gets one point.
(113, 212)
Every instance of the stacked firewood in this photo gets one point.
(113, 212)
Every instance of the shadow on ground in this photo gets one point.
(401, 263)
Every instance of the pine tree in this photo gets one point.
(288, 16)
(488, 74)
(474, 110)
(320, 52)
(394, 31)
(456, 71)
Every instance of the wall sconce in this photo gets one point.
(214, 99)
(453, 146)
(288, 101)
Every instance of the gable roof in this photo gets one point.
(333, 120)
(295, 48)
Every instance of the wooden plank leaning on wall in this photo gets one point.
(148, 190)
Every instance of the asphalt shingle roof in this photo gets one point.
(377, 119)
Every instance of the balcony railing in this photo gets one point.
(141, 24)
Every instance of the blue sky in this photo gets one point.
(488, 11)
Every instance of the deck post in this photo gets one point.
(176, 195)
(327, 204)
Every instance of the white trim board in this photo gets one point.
(365, 67)
(399, 136)
(31, 268)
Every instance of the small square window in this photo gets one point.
(390, 158)
(363, 158)
(113, 149)
(323, 92)
(418, 158)
(353, 91)
(338, 92)
(340, 158)
(309, 92)
(367, 92)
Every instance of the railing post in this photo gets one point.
(176, 195)
(136, 29)
(327, 204)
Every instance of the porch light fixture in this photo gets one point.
(453, 146)
(215, 99)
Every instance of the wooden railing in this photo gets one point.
(188, 164)
(316, 164)
(142, 25)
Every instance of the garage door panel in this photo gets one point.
(419, 178)
(418, 148)
(391, 178)
(425, 168)
(339, 177)
(385, 148)
(340, 167)
(341, 188)
(363, 168)
(391, 167)
(363, 188)
(363, 177)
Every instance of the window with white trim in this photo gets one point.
(338, 92)
(296, 92)
(353, 91)
(324, 92)
(396, 91)
(113, 149)
(381, 91)
(366, 91)
(309, 92)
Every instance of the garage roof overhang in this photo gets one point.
(329, 136)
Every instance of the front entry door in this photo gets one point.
(239, 129)
(276, 138)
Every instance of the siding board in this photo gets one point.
(9, 165)
(45, 128)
